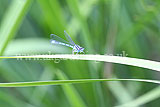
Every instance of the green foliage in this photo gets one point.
(102, 27)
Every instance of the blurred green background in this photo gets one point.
(101, 27)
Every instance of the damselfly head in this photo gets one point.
(81, 49)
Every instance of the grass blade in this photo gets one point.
(71, 93)
(153, 65)
(63, 82)
(143, 99)
(12, 21)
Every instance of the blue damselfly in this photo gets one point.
(59, 41)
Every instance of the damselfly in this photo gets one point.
(57, 40)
